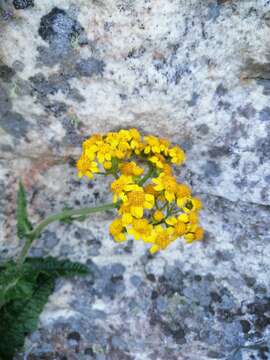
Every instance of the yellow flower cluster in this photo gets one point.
(151, 204)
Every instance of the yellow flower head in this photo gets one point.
(177, 155)
(90, 143)
(141, 229)
(86, 167)
(158, 215)
(163, 237)
(138, 200)
(189, 204)
(167, 169)
(180, 228)
(166, 183)
(158, 160)
(131, 169)
(104, 152)
(120, 185)
(199, 233)
(182, 191)
(193, 217)
(117, 230)
(150, 189)
(152, 145)
(139, 188)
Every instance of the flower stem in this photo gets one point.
(63, 215)
(147, 175)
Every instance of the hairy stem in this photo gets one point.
(65, 214)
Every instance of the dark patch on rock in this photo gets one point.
(249, 280)
(62, 32)
(263, 148)
(179, 335)
(109, 281)
(89, 351)
(213, 11)
(57, 108)
(265, 84)
(49, 56)
(58, 27)
(219, 151)
(14, 124)
(224, 255)
(212, 169)
(123, 96)
(245, 326)
(74, 94)
(187, 144)
(151, 277)
(203, 129)
(267, 178)
(178, 74)
(44, 87)
(215, 296)
(193, 100)
(89, 67)
(261, 309)
(5, 104)
(116, 354)
(74, 335)
(264, 114)
(224, 105)
(221, 90)
(136, 53)
(264, 352)
(266, 18)
(6, 72)
(72, 136)
(212, 354)
(23, 4)
(246, 111)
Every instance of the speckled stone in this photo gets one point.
(197, 72)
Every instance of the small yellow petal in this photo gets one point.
(169, 196)
(137, 211)
(171, 221)
(154, 249)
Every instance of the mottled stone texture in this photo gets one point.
(196, 71)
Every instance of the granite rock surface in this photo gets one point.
(197, 72)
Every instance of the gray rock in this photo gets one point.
(89, 67)
(265, 114)
(196, 72)
(14, 124)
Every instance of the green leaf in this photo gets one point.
(19, 318)
(16, 283)
(23, 224)
(25, 291)
(57, 268)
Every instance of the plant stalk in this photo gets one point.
(147, 175)
(65, 214)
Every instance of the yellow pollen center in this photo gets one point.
(136, 198)
(141, 226)
(170, 184)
